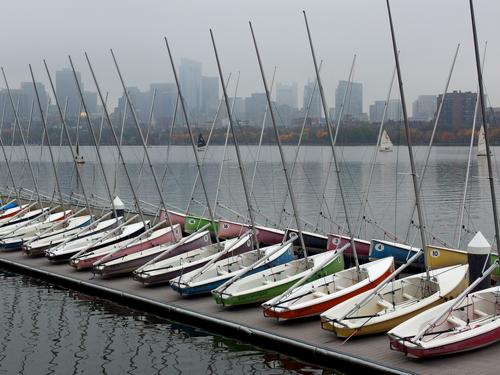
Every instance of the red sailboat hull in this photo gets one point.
(319, 308)
(337, 241)
(472, 343)
(144, 244)
(267, 236)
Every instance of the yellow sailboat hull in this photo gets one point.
(373, 329)
(438, 257)
(388, 324)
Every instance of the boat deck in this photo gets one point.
(304, 340)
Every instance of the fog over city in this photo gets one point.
(428, 32)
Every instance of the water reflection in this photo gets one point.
(50, 330)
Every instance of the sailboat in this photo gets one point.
(213, 275)
(162, 271)
(201, 143)
(267, 284)
(385, 143)
(465, 323)
(79, 158)
(473, 323)
(395, 300)
(472, 320)
(122, 264)
(320, 295)
(481, 143)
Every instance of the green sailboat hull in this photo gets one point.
(194, 223)
(496, 274)
(273, 291)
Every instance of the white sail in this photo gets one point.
(385, 143)
(481, 143)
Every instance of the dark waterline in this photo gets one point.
(45, 329)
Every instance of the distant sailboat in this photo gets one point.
(385, 143)
(78, 157)
(201, 143)
(481, 143)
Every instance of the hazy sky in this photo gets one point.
(427, 34)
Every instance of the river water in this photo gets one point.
(44, 329)
(390, 192)
(48, 330)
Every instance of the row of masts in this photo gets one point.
(200, 142)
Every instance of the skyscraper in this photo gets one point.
(316, 110)
(66, 89)
(140, 101)
(287, 94)
(424, 107)
(166, 96)
(394, 110)
(377, 111)
(190, 81)
(209, 96)
(255, 106)
(28, 95)
(354, 100)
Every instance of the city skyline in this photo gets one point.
(204, 92)
(136, 35)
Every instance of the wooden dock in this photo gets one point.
(304, 340)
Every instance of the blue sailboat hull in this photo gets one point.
(401, 253)
(208, 287)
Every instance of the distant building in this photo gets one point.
(394, 110)
(23, 98)
(315, 111)
(424, 108)
(377, 111)
(66, 89)
(166, 97)
(90, 101)
(493, 115)
(209, 96)
(139, 100)
(255, 107)
(287, 95)
(190, 81)
(28, 95)
(458, 109)
(239, 109)
(354, 100)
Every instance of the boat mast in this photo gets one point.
(7, 159)
(261, 137)
(483, 114)
(205, 152)
(113, 132)
(169, 143)
(280, 148)
(431, 141)
(145, 148)
(236, 145)
(337, 127)
(469, 158)
(68, 138)
(193, 146)
(334, 151)
(17, 121)
(44, 123)
(374, 159)
(146, 138)
(418, 203)
(299, 142)
(226, 138)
